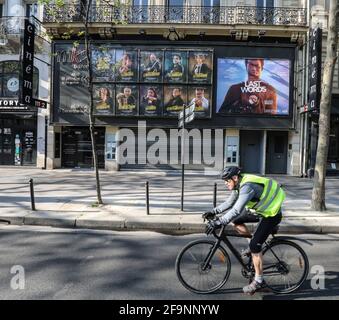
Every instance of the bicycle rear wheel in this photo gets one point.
(189, 267)
(285, 266)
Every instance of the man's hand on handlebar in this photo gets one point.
(209, 215)
(212, 225)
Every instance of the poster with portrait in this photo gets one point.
(126, 100)
(103, 61)
(200, 67)
(151, 66)
(151, 100)
(200, 97)
(126, 65)
(175, 97)
(103, 99)
(253, 86)
(175, 67)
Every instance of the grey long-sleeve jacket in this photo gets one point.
(237, 201)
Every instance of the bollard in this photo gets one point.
(147, 197)
(215, 195)
(31, 186)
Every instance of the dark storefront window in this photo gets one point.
(17, 141)
(77, 147)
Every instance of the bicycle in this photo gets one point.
(204, 266)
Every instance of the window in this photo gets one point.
(232, 148)
(0, 10)
(265, 11)
(210, 11)
(9, 79)
(32, 10)
(57, 145)
(140, 11)
(176, 10)
(111, 145)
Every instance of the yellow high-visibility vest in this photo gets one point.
(272, 196)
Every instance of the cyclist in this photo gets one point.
(250, 194)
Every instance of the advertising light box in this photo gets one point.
(253, 86)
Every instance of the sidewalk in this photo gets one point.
(65, 198)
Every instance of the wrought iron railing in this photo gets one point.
(223, 15)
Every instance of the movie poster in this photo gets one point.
(151, 100)
(175, 66)
(103, 61)
(200, 97)
(151, 66)
(200, 67)
(253, 86)
(126, 100)
(175, 98)
(103, 99)
(73, 78)
(126, 66)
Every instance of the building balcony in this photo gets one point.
(11, 31)
(184, 15)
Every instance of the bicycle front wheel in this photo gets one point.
(191, 273)
(285, 266)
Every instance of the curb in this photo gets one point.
(120, 224)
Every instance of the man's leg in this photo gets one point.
(257, 263)
(264, 229)
(239, 223)
(242, 229)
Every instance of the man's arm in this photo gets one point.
(230, 201)
(246, 193)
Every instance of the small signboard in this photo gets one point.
(39, 103)
(189, 115)
(188, 112)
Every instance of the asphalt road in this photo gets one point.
(87, 264)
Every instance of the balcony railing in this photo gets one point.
(231, 15)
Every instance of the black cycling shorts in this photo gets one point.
(264, 228)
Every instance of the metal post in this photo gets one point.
(147, 197)
(182, 160)
(215, 195)
(31, 186)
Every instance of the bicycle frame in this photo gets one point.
(222, 237)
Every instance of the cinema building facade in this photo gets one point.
(22, 128)
(242, 67)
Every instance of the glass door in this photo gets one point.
(77, 147)
(265, 11)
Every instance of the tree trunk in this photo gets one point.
(318, 193)
(91, 117)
